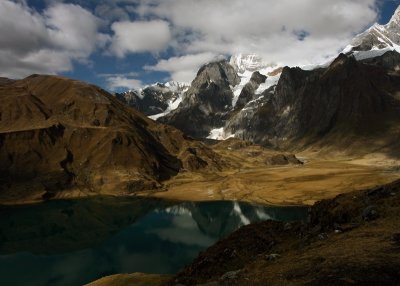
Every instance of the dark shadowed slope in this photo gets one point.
(353, 239)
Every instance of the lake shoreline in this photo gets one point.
(118, 235)
(346, 240)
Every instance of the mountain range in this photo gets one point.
(343, 103)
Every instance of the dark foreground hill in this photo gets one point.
(353, 239)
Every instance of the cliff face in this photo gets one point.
(339, 105)
(348, 98)
(207, 102)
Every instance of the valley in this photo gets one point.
(254, 178)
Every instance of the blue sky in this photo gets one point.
(125, 44)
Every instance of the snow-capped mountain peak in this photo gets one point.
(377, 39)
(157, 99)
(248, 62)
(177, 86)
(395, 20)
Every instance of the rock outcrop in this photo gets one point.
(248, 92)
(153, 99)
(207, 102)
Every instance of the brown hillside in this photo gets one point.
(62, 138)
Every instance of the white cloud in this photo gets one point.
(21, 29)
(119, 81)
(192, 31)
(42, 61)
(31, 42)
(183, 68)
(72, 28)
(267, 27)
(140, 36)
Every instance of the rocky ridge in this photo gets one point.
(305, 107)
(377, 39)
(155, 99)
(352, 239)
(207, 102)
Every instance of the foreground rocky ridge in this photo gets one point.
(352, 239)
(64, 138)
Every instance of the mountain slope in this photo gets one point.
(60, 137)
(352, 239)
(346, 105)
(347, 100)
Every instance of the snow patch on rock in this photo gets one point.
(219, 134)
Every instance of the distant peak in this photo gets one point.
(397, 12)
(343, 60)
(376, 39)
(248, 62)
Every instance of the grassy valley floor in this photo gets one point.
(259, 175)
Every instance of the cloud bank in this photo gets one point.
(45, 43)
(115, 82)
(183, 68)
(180, 34)
(284, 32)
(139, 36)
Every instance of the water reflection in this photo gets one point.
(74, 242)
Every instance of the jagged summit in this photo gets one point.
(395, 20)
(378, 38)
(207, 102)
(157, 99)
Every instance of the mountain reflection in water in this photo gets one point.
(74, 242)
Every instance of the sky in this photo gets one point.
(125, 44)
